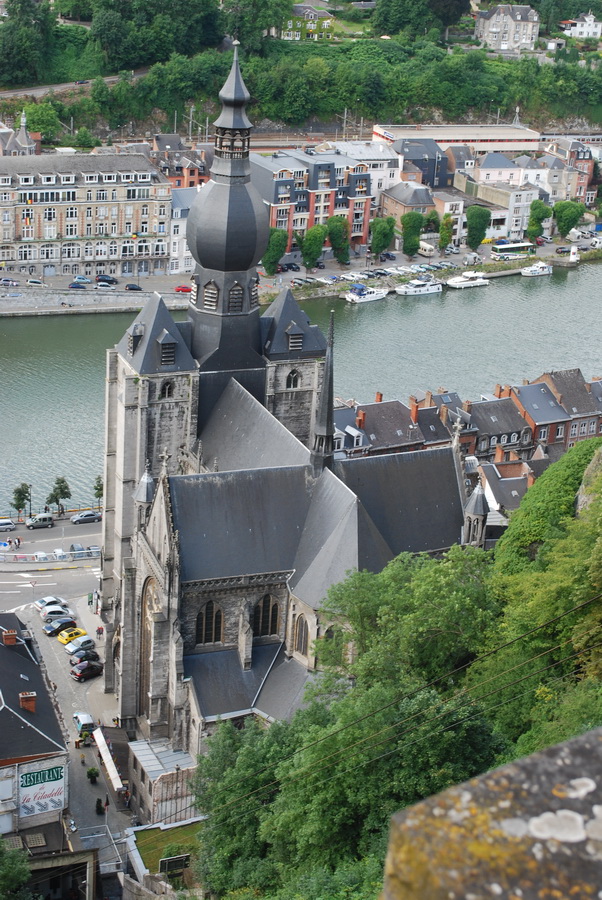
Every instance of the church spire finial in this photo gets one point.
(323, 438)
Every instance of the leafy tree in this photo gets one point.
(275, 250)
(338, 235)
(21, 496)
(393, 16)
(431, 220)
(100, 93)
(14, 874)
(446, 231)
(60, 491)
(477, 221)
(85, 138)
(381, 234)
(538, 212)
(449, 11)
(249, 20)
(311, 244)
(567, 214)
(44, 118)
(99, 488)
(412, 224)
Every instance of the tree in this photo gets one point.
(381, 234)
(477, 221)
(338, 235)
(311, 244)
(60, 491)
(21, 496)
(14, 874)
(446, 231)
(567, 214)
(538, 212)
(412, 224)
(250, 21)
(431, 220)
(448, 11)
(44, 118)
(99, 488)
(275, 250)
(85, 138)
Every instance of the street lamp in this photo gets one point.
(30, 501)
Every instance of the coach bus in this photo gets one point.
(512, 250)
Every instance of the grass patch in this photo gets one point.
(151, 843)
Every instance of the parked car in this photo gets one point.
(293, 267)
(57, 625)
(87, 669)
(83, 279)
(583, 247)
(77, 549)
(563, 250)
(104, 286)
(8, 282)
(183, 289)
(320, 264)
(107, 279)
(51, 613)
(70, 634)
(539, 241)
(381, 273)
(76, 286)
(83, 722)
(40, 556)
(88, 515)
(387, 255)
(83, 642)
(133, 287)
(49, 601)
(35, 282)
(546, 239)
(93, 550)
(7, 525)
(82, 81)
(82, 655)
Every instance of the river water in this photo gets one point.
(52, 369)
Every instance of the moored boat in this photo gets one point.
(418, 286)
(468, 279)
(361, 293)
(538, 268)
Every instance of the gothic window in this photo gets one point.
(265, 617)
(235, 298)
(301, 634)
(209, 624)
(292, 380)
(166, 390)
(210, 295)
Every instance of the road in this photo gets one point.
(42, 90)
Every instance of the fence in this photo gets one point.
(12, 556)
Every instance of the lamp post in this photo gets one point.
(30, 501)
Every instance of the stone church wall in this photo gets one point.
(294, 407)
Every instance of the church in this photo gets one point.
(227, 517)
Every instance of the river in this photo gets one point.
(52, 369)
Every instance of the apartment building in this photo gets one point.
(507, 27)
(303, 189)
(77, 213)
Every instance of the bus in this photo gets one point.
(512, 250)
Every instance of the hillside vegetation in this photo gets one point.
(435, 671)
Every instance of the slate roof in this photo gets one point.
(153, 326)
(23, 733)
(570, 387)
(273, 687)
(495, 160)
(181, 198)
(461, 154)
(77, 164)
(508, 492)
(241, 434)
(417, 149)
(410, 194)
(477, 502)
(276, 322)
(540, 403)
(498, 416)
(387, 425)
(431, 426)
(516, 12)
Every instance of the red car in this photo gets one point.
(539, 241)
(183, 289)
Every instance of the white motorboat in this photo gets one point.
(418, 286)
(468, 279)
(538, 268)
(361, 293)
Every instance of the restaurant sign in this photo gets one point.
(41, 791)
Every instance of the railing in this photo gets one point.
(11, 556)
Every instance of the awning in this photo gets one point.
(107, 759)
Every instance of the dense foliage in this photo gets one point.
(477, 223)
(434, 670)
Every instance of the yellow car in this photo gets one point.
(69, 634)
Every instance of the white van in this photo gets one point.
(42, 520)
(426, 249)
(596, 243)
(7, 525)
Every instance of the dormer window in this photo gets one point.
(134, 337)
(68, 179)
(26, 179)
(168, 349)
(91, 178)
(210, 295)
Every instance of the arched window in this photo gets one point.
(209, 624)
(101, 250)
(292, 379)
(235, 298)
(265, 617)
(493, 441)
(210, 295)
(514, 437)
(504, 439)
(166, 390)
(301, 634)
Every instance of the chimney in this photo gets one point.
(27, 701)
(414, 410)
(467, 406)
(497, 391)
(9, 637)
(530, 478)
(428, 399)
(443, 414)
(499, 453)
(378, 398)
(360, 419)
